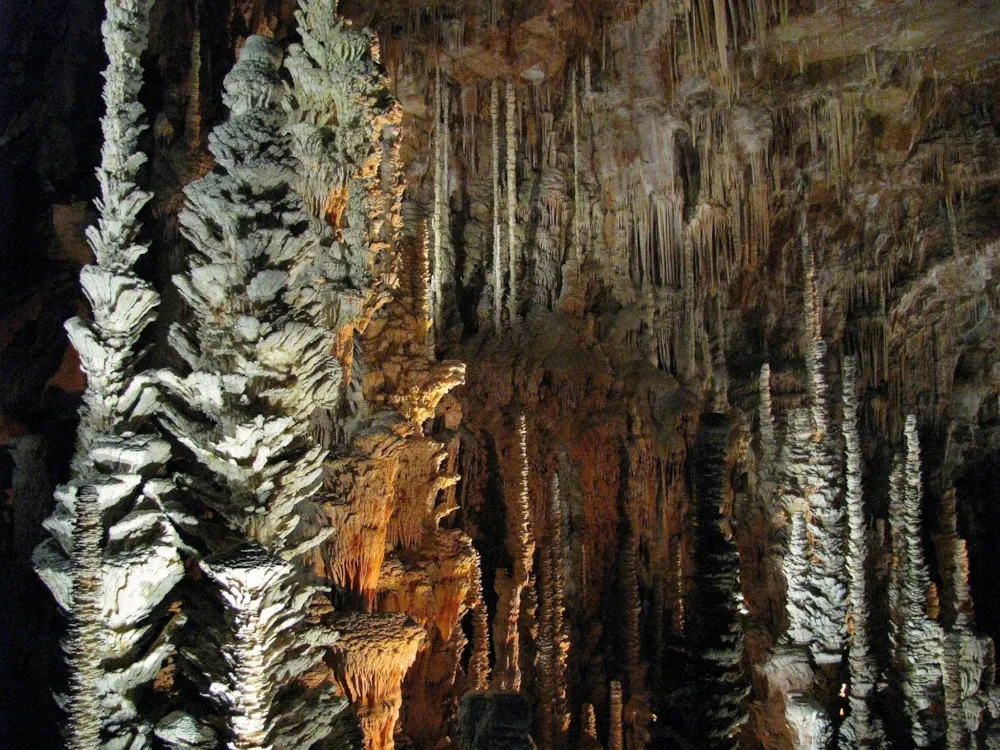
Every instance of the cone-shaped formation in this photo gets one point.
(111, 563)
(122, 303)
(112, 559)
(862, 728)
(920, 646)
(370, 660)
(343, 123)
(255, 654)
(259, 366)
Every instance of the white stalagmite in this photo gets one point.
(766, 465)
(343, 126)
(498, 267)
(506, 637)
(969, 666)
(112, 558)
(512, 256)
(264, 650)
(921, 647)
(862, 727)
(258, 368)
(437, 278)
(790, 669)
(820, 485)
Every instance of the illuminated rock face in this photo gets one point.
(370, 659)
(619, 218)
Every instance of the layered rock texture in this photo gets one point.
(454, 374)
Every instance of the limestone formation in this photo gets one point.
(113, 555)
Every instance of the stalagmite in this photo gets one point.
(819, 480)
(767, 462)
(615, 734)
(192, 112)
(921, 647)
(557, 613)
(720, 690)
(862, 728)
(112, 558)
(512, 254)
(498, 265)
(479, 661)
(577, 197)
(588, 722)
(437, 277)
(790, 669)
(506, 637)
(258, 368)
(266, 650)
(969, 666)
(345, 131)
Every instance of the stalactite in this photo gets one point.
(862, 728)
(512, 253)
(498, 265)
(371, 659)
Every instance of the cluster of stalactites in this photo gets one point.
(370, 661)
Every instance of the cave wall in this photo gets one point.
(701, 189)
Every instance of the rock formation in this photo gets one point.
(711, 266)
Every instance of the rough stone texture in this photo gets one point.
(688, 191)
